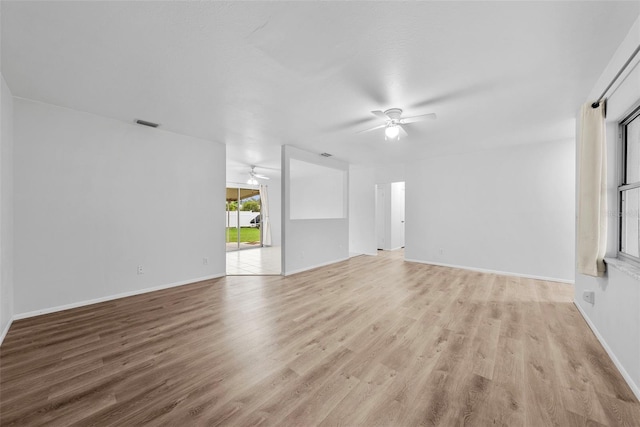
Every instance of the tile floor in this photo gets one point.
(254, 261)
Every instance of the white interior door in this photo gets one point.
(401, 204)
(396, 220)
(380, 216)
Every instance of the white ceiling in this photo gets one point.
(259, 75)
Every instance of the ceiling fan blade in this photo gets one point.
(419, 118)
(380, 115)
(403, 131)
(260, 176)
(348, 124)
(369, 130)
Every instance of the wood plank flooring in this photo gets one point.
(372, 341)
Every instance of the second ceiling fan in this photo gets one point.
(253, 175)
(394, 122)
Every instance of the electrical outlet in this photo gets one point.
(140, 269)
(205, 261)
(589, 296)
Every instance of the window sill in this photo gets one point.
(624, 266)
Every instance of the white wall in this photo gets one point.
(6, 208)
(389, 173)
(509, 210)
(309, 243)
(615, 314)
(362, 207)
(275, 210)
(316, 192)
(95, 198)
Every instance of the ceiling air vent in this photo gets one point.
(326, 155)
(146, 123)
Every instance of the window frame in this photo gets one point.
(622, 185)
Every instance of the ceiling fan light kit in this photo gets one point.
(392, 131)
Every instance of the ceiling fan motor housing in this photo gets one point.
(394, 114)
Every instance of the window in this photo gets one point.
(629, 189)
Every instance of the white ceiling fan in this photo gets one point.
(394, 122)
(253, 176)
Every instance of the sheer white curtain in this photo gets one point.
(265, 221)
(592, 197)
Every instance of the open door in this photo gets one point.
(380, 216)
(390, 211)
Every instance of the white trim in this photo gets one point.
(5, 331)
(112, 297)
(324, 264)
(355, 254)
(484, 270)
(624, 266)
(634, 387)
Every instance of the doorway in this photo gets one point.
(243, 219)
(390, 212)
(249, 249)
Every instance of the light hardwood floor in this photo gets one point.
(369, 341)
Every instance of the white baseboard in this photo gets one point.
(112, 297)
(5, 330)
(355, 254)
(634, 387)
(484, 270)
(300, 270)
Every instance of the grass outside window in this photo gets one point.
(247, 234)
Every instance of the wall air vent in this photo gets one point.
(326, 155)
(146, 123)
